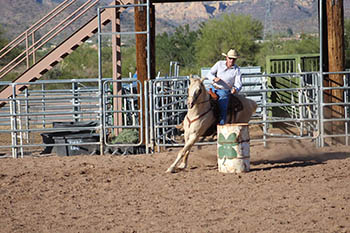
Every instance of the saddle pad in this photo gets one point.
(234, 106)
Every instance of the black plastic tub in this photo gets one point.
(74, 148)
(48, 139)
(63, 136)
(70, 125)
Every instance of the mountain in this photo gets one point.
(277, 16)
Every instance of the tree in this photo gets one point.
(278, 46)
(12, 54)
(347, 42)
(82, 63)
(230, 31)
(179, 46)
(3, 41)
(128, 60)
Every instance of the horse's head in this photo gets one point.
(196, 92)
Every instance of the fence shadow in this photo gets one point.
(289, 161)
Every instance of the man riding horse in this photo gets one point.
(226, 78)
(201, 115)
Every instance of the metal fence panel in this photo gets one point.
(49, 115)
(300, 118)
(50, 107)
(38, 111)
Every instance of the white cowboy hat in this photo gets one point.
(231, 54)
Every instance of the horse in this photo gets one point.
(201, 116)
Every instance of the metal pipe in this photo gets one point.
(346, 97)
(46, 18)
(147, 110)
(49, 38)
(27, 54)
(320, 87)
(150, 97)
(264, 111)
(100, 84)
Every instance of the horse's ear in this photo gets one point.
(203, 78)
(191, 77)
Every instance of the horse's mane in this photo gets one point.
(200, 80)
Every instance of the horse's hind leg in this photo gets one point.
(183, 164)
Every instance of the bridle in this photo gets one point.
(197, 118)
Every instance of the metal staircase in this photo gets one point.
(36, 68)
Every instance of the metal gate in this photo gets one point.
(299, 116)
(168, 103)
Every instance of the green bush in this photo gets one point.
(126, 136)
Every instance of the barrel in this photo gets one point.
(233, 150)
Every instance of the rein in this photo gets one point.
(197, 118)
(203, 114)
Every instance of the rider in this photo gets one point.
(226, 78)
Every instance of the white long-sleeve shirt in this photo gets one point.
(230, 77)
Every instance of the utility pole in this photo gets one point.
(141, 41)
(141, 47)
(267, 21)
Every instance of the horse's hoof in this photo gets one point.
(182, 166)
(180, 126)
(170, 170)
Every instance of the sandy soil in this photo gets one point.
(292, 187)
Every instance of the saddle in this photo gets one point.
(234, 106)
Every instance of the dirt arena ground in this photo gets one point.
(292, 187)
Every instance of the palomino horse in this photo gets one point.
(200, 117)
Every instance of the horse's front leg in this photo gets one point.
(183, 154)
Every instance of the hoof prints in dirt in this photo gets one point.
(132, 150)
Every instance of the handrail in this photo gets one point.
(44, 39)
(26, 32)
(47, 39)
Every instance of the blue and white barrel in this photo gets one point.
(233, 148)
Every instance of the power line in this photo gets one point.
(268, 18)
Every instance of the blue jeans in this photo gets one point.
(223, 103)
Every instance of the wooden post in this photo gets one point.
(153, 40)
(141, 51)
(336, 60)
(327, 95)
(141, 41)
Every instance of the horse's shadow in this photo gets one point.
(289, 161)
